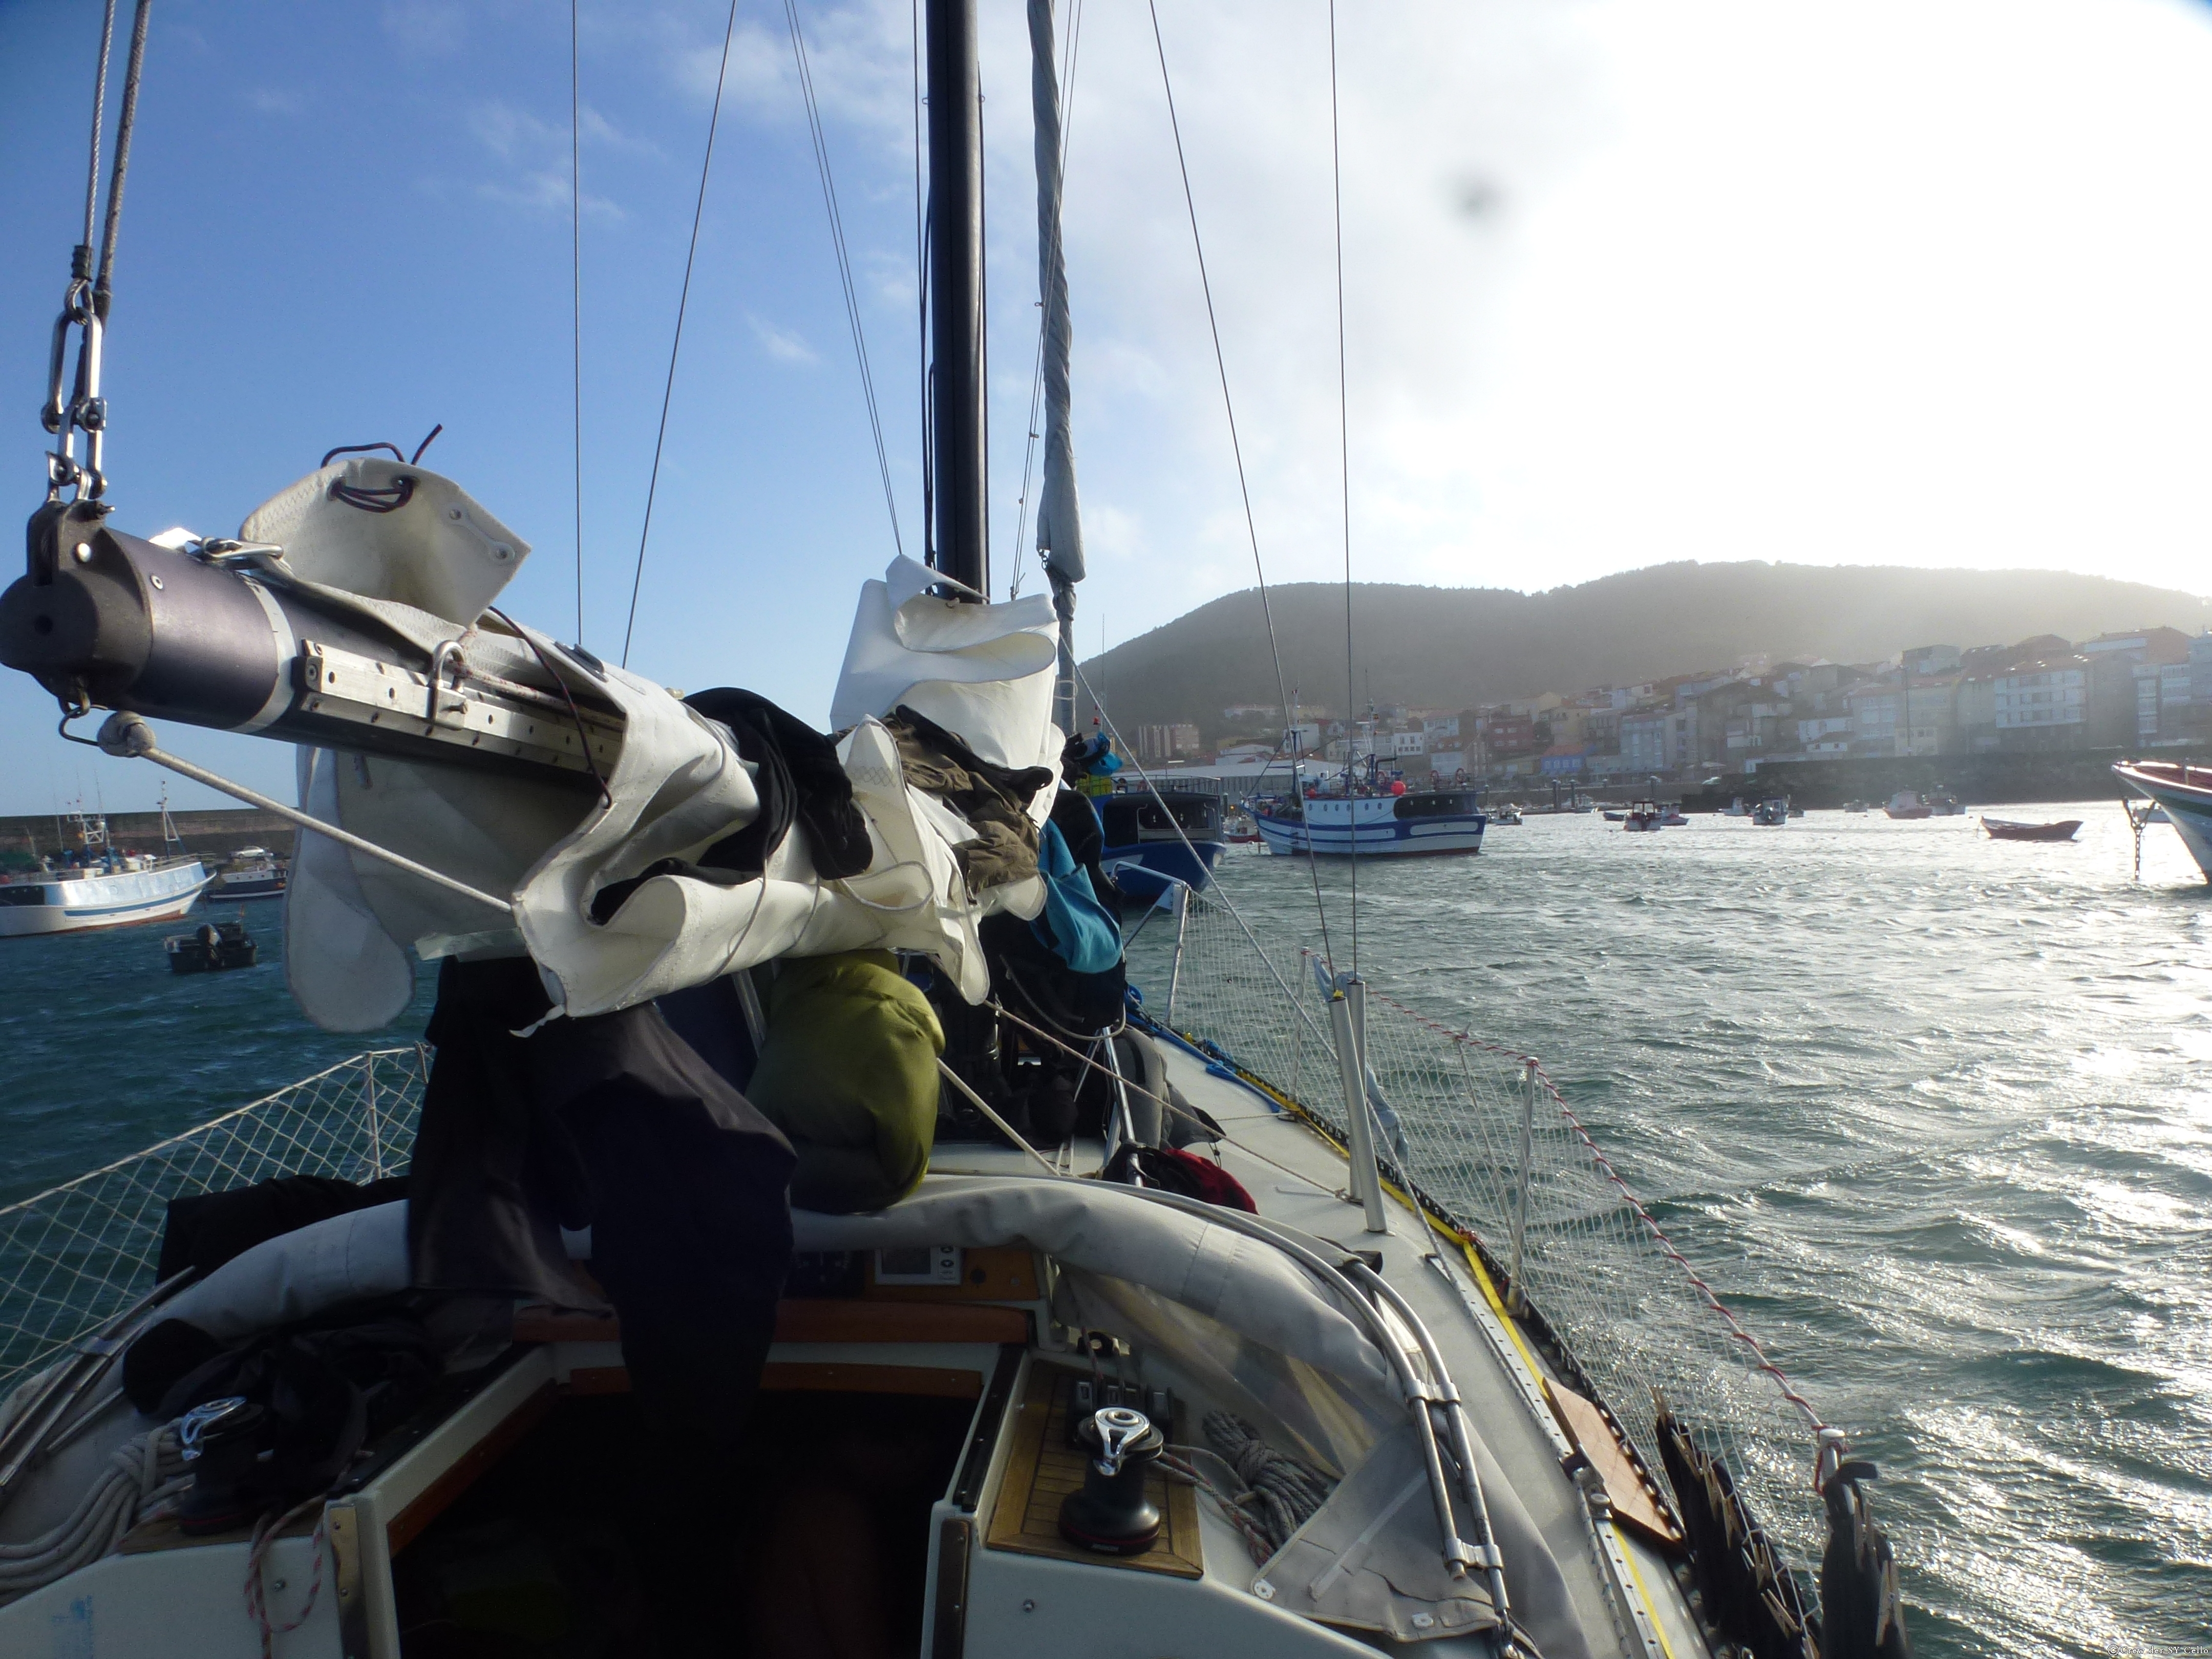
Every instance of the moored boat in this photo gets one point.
(2184, 792)
(1154, 839)
(251, 873)
(1643, 815)
(1907, 803)
(2012, 829)
(1385, 825)
(1775, 808)
(210, 948)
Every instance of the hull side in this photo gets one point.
(117, 901)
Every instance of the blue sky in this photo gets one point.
(1915, 282)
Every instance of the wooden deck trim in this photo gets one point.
(826, 1320)
(467, 1469)
(1040, 1471)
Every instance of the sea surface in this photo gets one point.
(1933, 1113)
(1930, 1111)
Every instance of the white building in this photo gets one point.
(1405, 744)
(1825, 730)
(1448, 763)
(2043, 695)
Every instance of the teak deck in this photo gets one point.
(1041, 1470)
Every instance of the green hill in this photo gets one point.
(1447, 648)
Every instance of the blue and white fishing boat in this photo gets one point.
(108, 888)
(1414, 821)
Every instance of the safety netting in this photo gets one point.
(1629, 1310)
(77, 1255)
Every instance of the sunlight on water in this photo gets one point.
(1928, 1107)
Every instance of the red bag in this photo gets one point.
(1184, 1174)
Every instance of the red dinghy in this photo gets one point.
(2007, 829)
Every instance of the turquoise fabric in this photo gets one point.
(1077, 926)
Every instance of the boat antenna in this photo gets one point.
(1237, 450)
(676, 344)
(959, 463)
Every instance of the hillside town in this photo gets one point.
(2132, 691)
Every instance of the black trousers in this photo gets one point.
(614, 1123)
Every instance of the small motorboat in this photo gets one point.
(1616, 817)
(210, 948)
(1643, 814)
(1773, 810)
(1508, 816)
(2012, 830)
(1670, 815)
(1907, 803)
(1855, 807)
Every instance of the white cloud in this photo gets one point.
(538, 177)
(780, 344)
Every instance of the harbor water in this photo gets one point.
(1925, 1108)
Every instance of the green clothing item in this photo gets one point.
(849, 1072)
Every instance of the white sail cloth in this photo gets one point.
(982, 671)
(677, 786)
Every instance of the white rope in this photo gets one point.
(143, 1473)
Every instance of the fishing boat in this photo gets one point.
(1271, 1353)
(2183, 793)
(2012, 829)
(251, 873)
(1507, 817)
(100, 886)
(1855, 807)
(1643, 815)
(1399, 822)
(1671, 816)
(1775, 808)
(1239, 830)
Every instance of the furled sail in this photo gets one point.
(1058, 524)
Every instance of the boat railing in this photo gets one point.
(1484, 1139)
(75, 1256)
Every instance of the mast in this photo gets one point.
(956, 294)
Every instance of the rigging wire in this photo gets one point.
(1344, 465)
(1036, 372)
(576, 307)
(132, 69)
(1245, 490)
(844, 263)
(922, 302)
(683, 301)
(99, 128)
